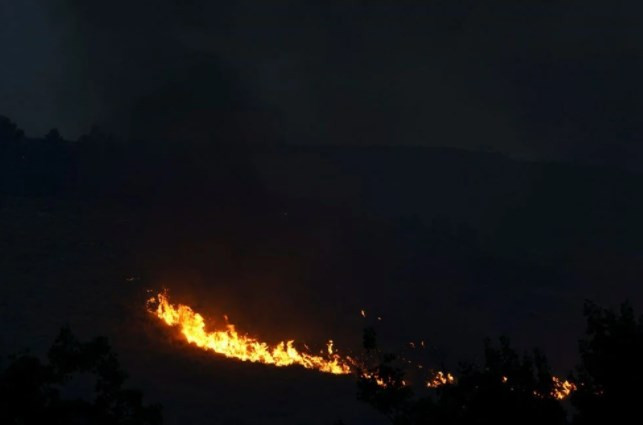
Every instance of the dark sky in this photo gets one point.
(540, 78)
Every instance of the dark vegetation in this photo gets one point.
(80, 383)
(99, 166)
(509, 388)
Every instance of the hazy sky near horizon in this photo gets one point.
(536, 77)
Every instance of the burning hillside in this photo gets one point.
(229, 342)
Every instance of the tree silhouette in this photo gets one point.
(611, 371)
(507, 389)
(33, 392)
(394, 399)
(9, 131)
(510, 389)
(53, 135)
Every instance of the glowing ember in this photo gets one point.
(231, 343)
(439, 379)
(562, 389)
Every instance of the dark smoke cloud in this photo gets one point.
(552, 78)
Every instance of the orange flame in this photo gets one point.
(231, 343)
(562, 389)
(439, 379)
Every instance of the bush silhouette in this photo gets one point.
(33, 392)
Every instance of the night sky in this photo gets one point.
(462, 168)
(536, 78)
